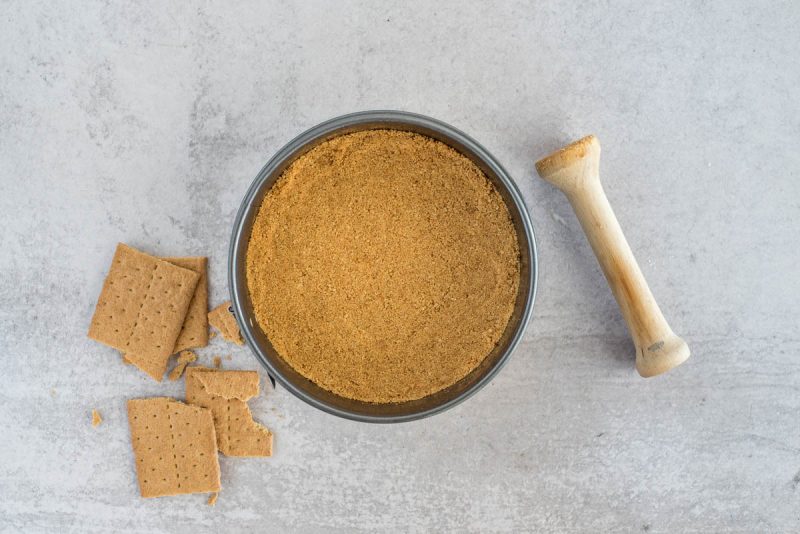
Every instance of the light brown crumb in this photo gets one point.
(383, 265)
(96, 419)
(212, 499)
(212, 335)
(217, 362)
(184, 358)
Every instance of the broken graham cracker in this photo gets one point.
(194, 331)
(142, 306)
(184, 358)
(226, 393)
(175, 447)
(96, 418)
(224, 321)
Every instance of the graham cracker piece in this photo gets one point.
(212, 499)
(142, 306)
(194, 333)
(96, 418)
(184, 358)
(175, 447)
(226, 393)
(224, 321)
(153, 365)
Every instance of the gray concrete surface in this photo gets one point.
(144, 122)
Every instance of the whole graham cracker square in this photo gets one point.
(143, 304)
(175, 447)
(224, 321)
(226, 393)
(194, 331)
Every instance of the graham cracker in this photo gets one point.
(224, 321)
(184, 358)
(142, 306)
(153, 365)
(175, 447)
(194, 331)
(226, 393)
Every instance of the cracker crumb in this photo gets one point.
(184, 358)
(96, 419)
(383, 265)
(217, 362)
(212, 499)
(212, 335)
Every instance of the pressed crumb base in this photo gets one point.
(383, 266)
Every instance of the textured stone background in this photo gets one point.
(144, 122)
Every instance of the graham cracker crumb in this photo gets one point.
(217, 362)
(96, 419)
(184, 358)
(212, 335)
(383, 265)
(212, 499)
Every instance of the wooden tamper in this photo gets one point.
(575, 170)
